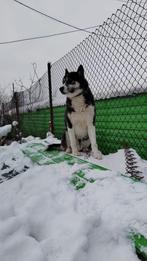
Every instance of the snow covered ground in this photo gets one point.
(43, 218)
(5, 130)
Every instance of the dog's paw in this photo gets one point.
(97, 154)
(68, 150)
(76, 153)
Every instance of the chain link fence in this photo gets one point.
(35, 97)
(115, 61)
(8, 111)
(114, 56)
(30, 99)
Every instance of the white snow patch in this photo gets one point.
(14, 123)
(5, 130)
(43, 218)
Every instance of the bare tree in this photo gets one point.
(4, 97)
(31, 89)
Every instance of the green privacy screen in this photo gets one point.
(35, 123)
(119, 121)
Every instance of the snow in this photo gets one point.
(5, 130)
(43, 218)
(14, 123)
(116, 162)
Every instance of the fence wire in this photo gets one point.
(114, 56)
(35, 97)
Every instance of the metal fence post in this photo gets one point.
(2, 114)
(50, 98)
(16, 100)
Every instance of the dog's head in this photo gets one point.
(73, 82)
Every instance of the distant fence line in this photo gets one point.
(32, 98)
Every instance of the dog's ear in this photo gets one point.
(81, 70)
(66, 72)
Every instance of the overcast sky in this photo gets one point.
(18, 22)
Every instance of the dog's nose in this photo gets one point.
(62, 90)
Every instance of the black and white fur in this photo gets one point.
(80, 132)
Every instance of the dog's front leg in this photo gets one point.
(92, 136)
(72, 139)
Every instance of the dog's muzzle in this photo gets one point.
(62, 90)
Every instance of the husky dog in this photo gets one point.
(80, 132)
